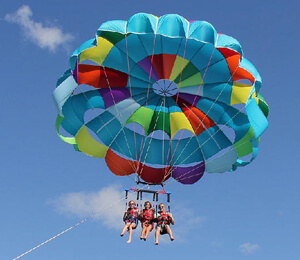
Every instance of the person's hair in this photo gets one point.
(149, 203)
(161, 204)
(131, 201)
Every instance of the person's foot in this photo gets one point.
(172, 238)
(121, 234)
(129, 241)
(145, 239)
(141, 238)
(156, 243)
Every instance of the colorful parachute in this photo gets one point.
(162, 97)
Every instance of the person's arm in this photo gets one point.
(172, 220)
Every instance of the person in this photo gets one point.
(131, 219)
(146, 217)
(163, 219)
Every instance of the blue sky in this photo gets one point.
(252, 213)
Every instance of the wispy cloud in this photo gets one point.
(248, 248)
(46, 37)
(108, 202)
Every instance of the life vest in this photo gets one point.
(163, 218)
(131, 215)
(147, 216)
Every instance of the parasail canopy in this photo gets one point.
(162, 97)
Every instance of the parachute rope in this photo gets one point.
(76, 225)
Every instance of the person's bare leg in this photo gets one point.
(169, 230)
(148, 229)
(130, 232)
(125, 229)
(143, 232)
(157, 233)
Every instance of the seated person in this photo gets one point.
(163, 219)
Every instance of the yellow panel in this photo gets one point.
(87, 144)
(178, 121)
(179, 65)
(97, 53)
(194, 80)
(240, 93)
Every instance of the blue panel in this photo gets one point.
(133, 47)
(225, 115)
(114, 26)
(141, 23)
(186, 152)
(203, 31)
(257, 119)
(117, 59)
(212, 141)
(172, 25)
(217, 72)
(153, 152)
(207, 55)
(229, 42)
(171, 45)
(219, 92)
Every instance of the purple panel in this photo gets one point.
(75, 71)
(114, 95)
(188, 175)
(146, 65)
(192, 99)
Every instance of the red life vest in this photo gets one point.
(147, 216)
(163, 218)
(131, 215)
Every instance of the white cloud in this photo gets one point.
(108, 202)
(43, 36)
(249, 248)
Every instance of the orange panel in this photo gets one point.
(199, 121)
(98, 77)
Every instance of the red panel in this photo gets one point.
(168, 64)
(153, 175)
(119, 165)
(100, 77)
(157, 62)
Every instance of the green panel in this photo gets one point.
(263, 107)
(160, 121)
(113, 37)
(142, 116)
(244, 145)
(188, 71)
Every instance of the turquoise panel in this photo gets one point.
(155, 151)
(256, 117)
(133, 47)
(219, 92)
(203, 31)
(212, 141)
(114, 26)
(229, 42)
(141, 23)
(186, 152)
(172, 25)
